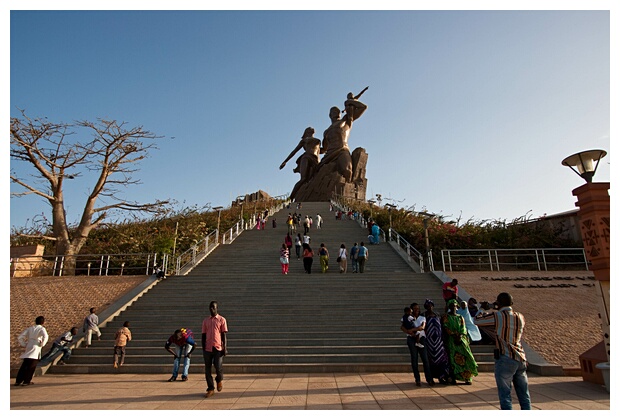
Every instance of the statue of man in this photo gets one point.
(336, 137)
(308, 161)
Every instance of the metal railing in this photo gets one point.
(409, 250)
(540, 259)
(85, 264)
(188, 259)
(412, 253)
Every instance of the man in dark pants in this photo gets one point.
(510, 361)
(34, 338)
(214, 329)
(412, 325)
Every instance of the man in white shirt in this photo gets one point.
(34, 338)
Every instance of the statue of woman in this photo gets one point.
(308, 161)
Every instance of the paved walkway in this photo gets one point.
(373, 391)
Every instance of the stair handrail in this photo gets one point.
(410, 251)
(186, 261)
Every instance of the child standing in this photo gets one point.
(122, 336)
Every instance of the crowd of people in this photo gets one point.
(357, 255)
(442, 342)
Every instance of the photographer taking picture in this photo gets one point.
(510, 361)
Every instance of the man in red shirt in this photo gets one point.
(450, 290)
(214, 329)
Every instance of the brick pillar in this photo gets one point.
(593, 203)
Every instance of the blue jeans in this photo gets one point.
(354, 264)
(414, 351)
(213, 358)
(507, 372)
(50, 355)
(181, 352)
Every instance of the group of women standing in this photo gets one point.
(443, 345)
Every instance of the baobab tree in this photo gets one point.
(106, 150)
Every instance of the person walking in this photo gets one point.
(91, 324)
(61, 344)
(463, 366)
(362, 257)
(324, 258)
(319, 221)
(214, 330)
(284, 262)
(121, 338)
(298, 242)
(33, 338)
(184, 345)
(308, 255)
(510, 360)
(289, 224)
(353, 255)
(411, 326)
(343, 259)
(435, 349)
(288, 240)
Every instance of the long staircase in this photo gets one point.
(278, 323)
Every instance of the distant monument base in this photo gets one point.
(327, 182)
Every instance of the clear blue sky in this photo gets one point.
(469, 112)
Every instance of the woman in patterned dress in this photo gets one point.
(462, 363)
(437, 356)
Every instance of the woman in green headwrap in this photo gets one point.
(462, 362)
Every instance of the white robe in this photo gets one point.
(34, 338)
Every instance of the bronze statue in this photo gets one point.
(339, 171)
(308, 161)
(336, 137)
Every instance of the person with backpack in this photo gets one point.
(183, 340)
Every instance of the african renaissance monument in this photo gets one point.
(338, 172)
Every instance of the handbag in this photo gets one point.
(338, 259)
(284, 260)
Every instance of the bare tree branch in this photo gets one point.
(106, 148)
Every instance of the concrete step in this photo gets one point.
(254, 367)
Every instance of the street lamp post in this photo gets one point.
(372, 203)
(427, 217)
(390, 207)
(219, 212)
(594, 208)
(241, 213)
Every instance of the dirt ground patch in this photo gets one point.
(63, 301)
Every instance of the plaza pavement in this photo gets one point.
(340, 391)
